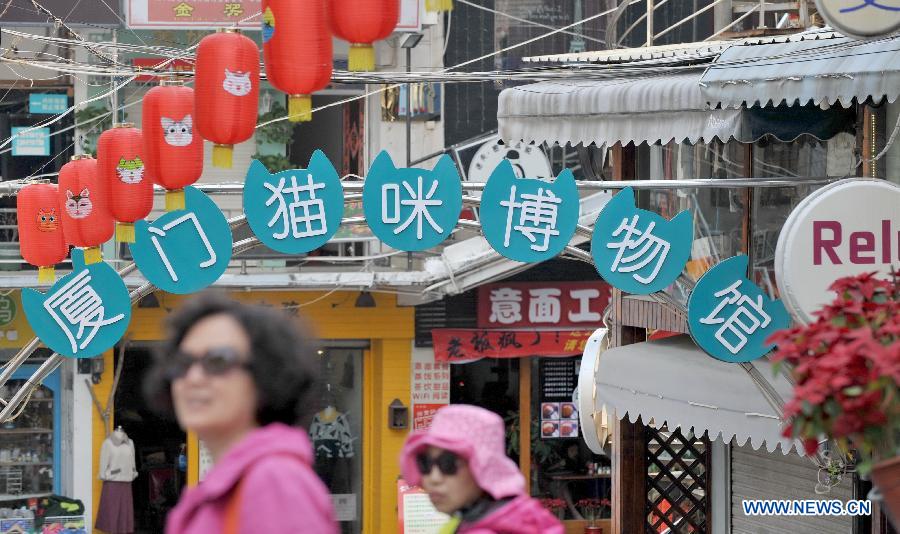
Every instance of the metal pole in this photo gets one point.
(409, 110)
(649, 23)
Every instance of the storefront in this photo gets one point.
(365, 365)
(522, 362)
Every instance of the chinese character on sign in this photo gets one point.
(420, 204)
(544, 306)
(584, 313)
(78, 310)
(481, 342)
(730, 317)
(301, 217)
(163, 232)
(537, 217)
(644, 249)
(233, 9)
(746, 318)
(183, 10)
(454, 348)
(506, 306)
(639, 251)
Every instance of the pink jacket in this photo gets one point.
(280, 492)
(522, 515)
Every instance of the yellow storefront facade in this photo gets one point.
(384, 333)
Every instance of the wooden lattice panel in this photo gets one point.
(678, 496)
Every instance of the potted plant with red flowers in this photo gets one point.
(846, 367)
(556, 506)
(592, 510)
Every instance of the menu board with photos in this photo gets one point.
(559, 415)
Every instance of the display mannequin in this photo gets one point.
(117, 470)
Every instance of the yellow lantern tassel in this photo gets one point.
(46, 275)
(362, 57)
(439, 5)
(221, 156)
(300, 108)
(125, 232)
(175, 200)
(92, 255)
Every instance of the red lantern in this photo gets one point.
(85, 211)
(174, 152)
(123, 172)
(361, 23)
(226, 85)
(41, 239)
(297, 51)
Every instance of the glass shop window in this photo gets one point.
(336, 431)
(27, 445)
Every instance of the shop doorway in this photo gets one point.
(159, 445)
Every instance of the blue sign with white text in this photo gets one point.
(185, 250)
(47, 103)
(730, 317)
(412, 209)
(638, 251)
(527, 219)
(297, 210)
(84, 314)
(29, 141)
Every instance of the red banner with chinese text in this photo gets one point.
(194, 14)
(166, 65)
(576, 305)
(465, 345)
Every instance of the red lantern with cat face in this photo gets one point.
(297, 50)
(85, 211)
(174, 152)
(226, 85)
(123, 173)
(41, 239)
(361, 23)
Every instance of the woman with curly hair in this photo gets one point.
(238, 376)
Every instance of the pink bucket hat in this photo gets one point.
(476, 435)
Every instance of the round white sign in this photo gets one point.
(861, 18)
(527, 160)
(844, 229)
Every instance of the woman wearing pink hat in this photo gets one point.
(460, 462)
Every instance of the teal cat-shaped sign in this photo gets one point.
(297, 210)
(412, 209)
(527, 219)
(638, 251)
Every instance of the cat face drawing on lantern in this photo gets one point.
(237, 83)
(130, 171)
(48, 220)
(178, 133)
(79, 206)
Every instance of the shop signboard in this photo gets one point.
(47, 103)
(193, 14)
(430, 387)
(29, 141)
(638, 251)
(416, 514)
(730, 317)
(861, 18)
(558, 305)
(844, 229)
(468, 345)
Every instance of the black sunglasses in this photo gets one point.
(446, 462)
(216, 361)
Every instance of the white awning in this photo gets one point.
(672, 381)
(661, 108)
(824, 72)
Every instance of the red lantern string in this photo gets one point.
(361, 23)
(128, 186)
(86, 220)
(226, 91)
(41, 238)
(174, 150)
(297, 50)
